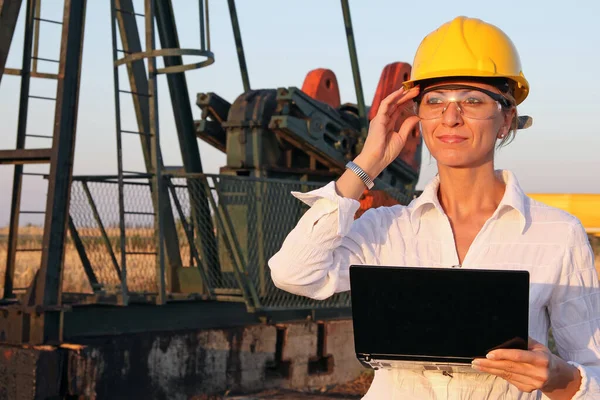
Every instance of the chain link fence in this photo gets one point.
(225, 229)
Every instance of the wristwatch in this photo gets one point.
(361, 174)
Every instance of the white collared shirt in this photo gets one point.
(522, 234)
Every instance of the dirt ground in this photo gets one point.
(348, 391)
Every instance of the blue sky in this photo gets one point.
(283, 40)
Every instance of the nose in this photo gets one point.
(452, 115)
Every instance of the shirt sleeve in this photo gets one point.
(315, 257)
(575, 313)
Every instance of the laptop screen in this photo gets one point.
(438, 312)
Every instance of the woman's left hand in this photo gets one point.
(533, 369)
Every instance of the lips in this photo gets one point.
(451, 139)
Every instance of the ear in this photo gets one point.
(509, 117)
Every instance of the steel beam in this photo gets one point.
(138, 82)
(25, 156)
(211, 130)
(13, 230)
(360, 98)
(136, 70)
(97, 320)
(100, 224)
(46, 290)
(155, 151)
(238, 45)
(184, 120)
(9, 13)
(85, 261)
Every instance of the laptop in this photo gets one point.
(436, 318)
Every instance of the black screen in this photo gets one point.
(438, 312)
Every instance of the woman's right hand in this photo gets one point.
(385, 141)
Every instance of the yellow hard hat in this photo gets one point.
(469, 47)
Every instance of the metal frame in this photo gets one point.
(184, 120)
(9, 14)
(360, 98)
(20, 145)
(103, 233)
(93, 320)
(145, 104)
(250, 285)
(149, 8)
(141, 85)
(235, 25)
(87, 266)
(40, 316)
(189, 232)
(46, 290)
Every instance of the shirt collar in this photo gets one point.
(514, 198)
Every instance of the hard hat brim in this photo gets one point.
(521, 89)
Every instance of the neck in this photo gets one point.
(466, 192)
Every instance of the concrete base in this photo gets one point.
(179, 365)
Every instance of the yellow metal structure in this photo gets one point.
(586, 207)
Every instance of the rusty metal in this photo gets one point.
(331, 137)
(85, 262)
(149, 9)
(119, 131)
(171, 53)
(360, 98)
(9, 14)
(231, 223)
(321, 84)
(36, 35)
(98, 220)
(18, 72)
(214, 112)
(233, 245)
(139, 84)
(25, 156)
(45, 291)
(184, 121)
(13, 229)
(238, 45)
(189, 233)
(317, 130)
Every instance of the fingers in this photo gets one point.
(534, 344)
(525, 376)
(506, 369)
(407, 127)
(396, 98)
(509, 375)
(540, 357)
(522, 382)
(394, 115)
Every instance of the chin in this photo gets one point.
(456, 161)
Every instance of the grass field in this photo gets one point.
(140, 268)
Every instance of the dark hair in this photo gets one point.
(504, 85)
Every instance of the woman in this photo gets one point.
(466, 84)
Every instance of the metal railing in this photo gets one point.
(249, 218)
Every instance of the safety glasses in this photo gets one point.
(472, 102)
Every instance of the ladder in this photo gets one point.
(146, 105)
(59, 151)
